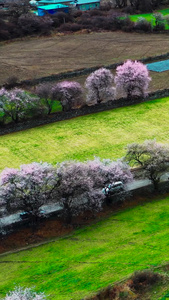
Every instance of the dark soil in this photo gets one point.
(55, 228)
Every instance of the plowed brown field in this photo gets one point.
(35, 57)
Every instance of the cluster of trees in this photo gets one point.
(17, 105)
(142, 5)
(132, 79)
(78, 186)
(75, 186)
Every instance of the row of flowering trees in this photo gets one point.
(78, 186)
(131, 78)
(75, 186)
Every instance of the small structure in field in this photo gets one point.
(87, 4)
(52, 9)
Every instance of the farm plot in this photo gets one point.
(34, 58)
(74, 266)
(102, 134)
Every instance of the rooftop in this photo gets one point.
(53, 1)
(86, 1)
(52, 6)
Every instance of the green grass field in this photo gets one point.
(92, 257)
(102, 134)
(149, 16)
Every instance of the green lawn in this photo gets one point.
(92, 257)
(102, 134)
(149, 16)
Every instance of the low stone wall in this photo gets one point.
(60, 116)
(83, 71)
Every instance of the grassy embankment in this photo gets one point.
(93, 257)
(102, 134)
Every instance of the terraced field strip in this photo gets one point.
(102, 134)
(37, 57)
(92, 257)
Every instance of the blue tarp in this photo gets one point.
(159, 66)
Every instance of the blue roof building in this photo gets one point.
(52, 9)
(50, 2)
(79, 4)
(87, 4)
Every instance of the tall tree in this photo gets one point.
(151, 156)
(28, 188)
(69, 93)
(132, 78)
(99, 86)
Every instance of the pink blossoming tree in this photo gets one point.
(28, 188)
(107, 172)
(76, 192)
(99, 86)
(132, 78)
(151, 156)
(69, 93)
(16, 104)
(80, 184)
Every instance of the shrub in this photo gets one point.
(95, 12)
(44, 92)
(64, 27)
(30, 23)
(106, 6)
(77, 13)
(159, 22)
(133, 78)
(86, 21)
(143, 25)
(99, 85)
(126, 24)
(11, 81)
(63, 17)
(167, 19)
(142, 279)
(4, 35)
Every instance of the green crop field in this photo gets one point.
(102, 134)
(92, 257)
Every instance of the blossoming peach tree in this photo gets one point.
(99, 86)
(28, 188)
(16, 104)
(132, 78)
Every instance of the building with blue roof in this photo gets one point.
(52, 9)
(79, 4)
(87, 4)
(50, 2)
